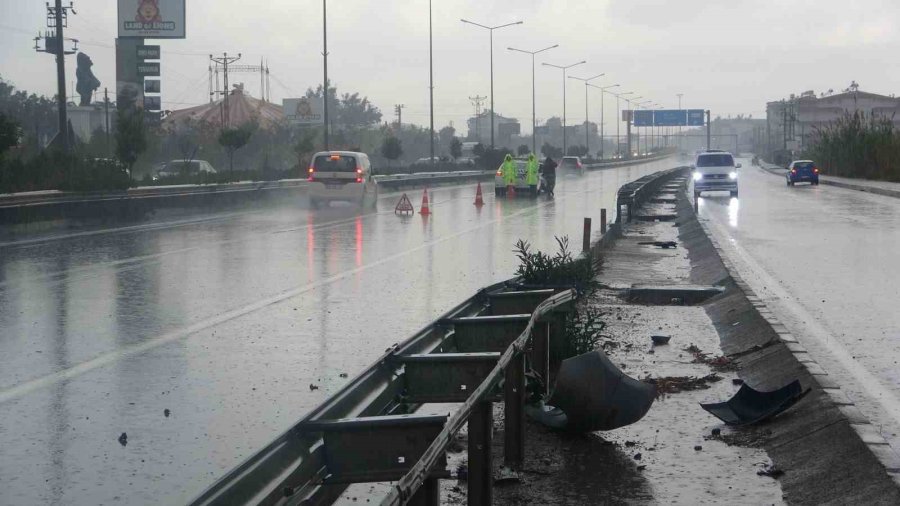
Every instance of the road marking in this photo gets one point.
(112, 356)
(762, 281)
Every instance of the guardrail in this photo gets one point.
(625, 162)
(368, 432)
(634, 194)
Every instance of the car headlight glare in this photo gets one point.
(698, 176)
(732, 175)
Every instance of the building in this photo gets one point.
(504, 128)
(791, 121)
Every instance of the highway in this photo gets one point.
(204, 335)
(824, 260)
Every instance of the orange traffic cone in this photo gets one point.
(425, 209)
(511, 191)
(479, 200)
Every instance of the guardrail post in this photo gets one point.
(429, 494)
(586, 240)
(481, 473)
(540, 353)
(603, 220)
(514, 413)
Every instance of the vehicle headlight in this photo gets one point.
(732, 175)
(698, 176)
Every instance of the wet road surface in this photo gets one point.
(824, 260)
(237, 323)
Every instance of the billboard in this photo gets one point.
(643, 118)
(152, 19)
(695, 117)
(148, 52)
(508, 129)
(148, 69)
(670, 117)
(303, 111)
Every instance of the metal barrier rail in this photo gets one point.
(417, 476)
(632, 195)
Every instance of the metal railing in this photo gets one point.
(634, 194)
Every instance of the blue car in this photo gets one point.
(802, 171)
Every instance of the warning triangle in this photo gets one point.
(404, 206)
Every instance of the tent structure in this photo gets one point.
(241, 107)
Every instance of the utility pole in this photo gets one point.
(398, 110)
(106, 107)
(57, 20)
(225, 60)
(477, 101)
(431, 82)
(708, 131)
(325, 65)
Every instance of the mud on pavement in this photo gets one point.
(679, 453)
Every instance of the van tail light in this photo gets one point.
(793, 171)
(311, 176)
(359, 178)
(499, 173)
(816, 170)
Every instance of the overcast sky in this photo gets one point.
(728, 56)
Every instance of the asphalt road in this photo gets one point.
(235, 322)
(825, 261)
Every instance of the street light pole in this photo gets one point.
(587, 134)
(431, 82)
(619, 119)
(491, 29)
(533, 109)
(564, 68)
(679, 95)
(603, 92)
(325, 58)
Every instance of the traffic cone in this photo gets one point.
(479, 200)
(511, 191)
(425, 210)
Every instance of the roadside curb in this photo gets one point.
(864, 429)
(840, 184)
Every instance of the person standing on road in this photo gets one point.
(531, 173)
(508, 171)
(549, 171)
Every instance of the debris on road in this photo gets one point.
(123, 439)
(660, 340)
(167, 412)
(675, 384)
(752, 406)
(770, 470)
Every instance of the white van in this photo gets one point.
(715, 171)
(341, 175)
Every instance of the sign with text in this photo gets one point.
(695, 117)
(303, 111)
(508, 129)
(643, 118)
(152, 103)
(152, 19)
(147, 69)
(148, 52)
(152, 86)
(668, 117)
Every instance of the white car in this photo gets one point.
(570, 165)
(715, 171)
(184, 167)
(522, 188)
(341, 176)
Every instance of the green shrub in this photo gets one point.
(857, 145)
(561, 269)
(584, 330)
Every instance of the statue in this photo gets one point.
(87, 82)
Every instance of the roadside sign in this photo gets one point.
(152, 19)
(643, 118)
(670, 117)
(626, 115)
(148, 69)
(303, 111)
(696, 117)
(148, 52)
(152, 103)
(152, 85)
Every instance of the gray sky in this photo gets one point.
(730, 57)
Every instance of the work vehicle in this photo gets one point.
(802, 171)
(341, 176)
(522, 188)
(715, 171)
(570, 165)
(184, 168)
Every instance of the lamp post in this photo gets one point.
(564, 68)
(587, 133)
(643, 105)
(619, 119)
(533, 109)
(491, 30)
(679, 95)
(325, 72)
(602, 92)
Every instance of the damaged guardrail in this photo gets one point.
(634, 194)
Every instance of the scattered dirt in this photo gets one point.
(718, 363)
(747, 437)
(674, 384)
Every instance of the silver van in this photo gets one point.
(341, 176)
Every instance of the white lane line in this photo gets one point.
(109, 357)
(762, 282)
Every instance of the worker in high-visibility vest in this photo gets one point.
(508, 171)
(531, 173)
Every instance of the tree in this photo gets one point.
(9, 133)
(523, 150)
(304, 147)
(131, 137)
(456, 148)
(391, 148)
(446, 136)
(233, 139)
(551, 151)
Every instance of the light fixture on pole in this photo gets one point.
(533, 110)
(564, 68)
(587, 133)
(602, 92)
(491, 30)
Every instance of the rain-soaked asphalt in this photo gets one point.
(825, 261)
(236, 322)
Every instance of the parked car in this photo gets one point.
(341, 176)
(522, 188)
(802, 170)
(184, 168)
(715, 171)
(570, 165)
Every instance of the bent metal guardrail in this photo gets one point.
(369, 432)
(634, 194)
